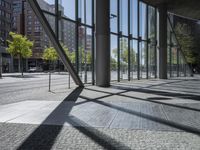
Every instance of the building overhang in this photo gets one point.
(185, 8)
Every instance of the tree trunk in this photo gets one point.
(1, 65)
(49, 78)
(21, 65)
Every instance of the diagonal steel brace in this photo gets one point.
(64, 58)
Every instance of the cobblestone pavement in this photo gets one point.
(145, 114)
(20, 136)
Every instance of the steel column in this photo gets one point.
(103, 43)
(163, 42)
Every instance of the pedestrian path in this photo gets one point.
(146, 114)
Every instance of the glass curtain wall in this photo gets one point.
(133, 40)
(177, 65)
(152, 36)
(73, 24)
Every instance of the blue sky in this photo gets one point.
(69, 11)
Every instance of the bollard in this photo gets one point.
(69, 82)
(49, 81)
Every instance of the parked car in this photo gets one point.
(32, 69)
(35, 69)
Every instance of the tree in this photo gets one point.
(124, 53)
(89, 57)
(19, 46)
(51, 55)
(186, 41)
(113, 64)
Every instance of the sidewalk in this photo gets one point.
(145, 114)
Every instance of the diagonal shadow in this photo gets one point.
(45, 135)
(150, 85)
(151, 100)
(162, 93)
(173, 124)
(95, 135)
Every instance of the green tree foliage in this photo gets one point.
(19, 46)
(50, 54)
(124, 53)
(82, 54)
(113, 63)
(89, 57)
(186, 41)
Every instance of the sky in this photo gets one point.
(69, 11)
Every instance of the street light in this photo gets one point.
(112, 16)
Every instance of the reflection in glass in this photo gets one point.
(134, 18)
(133, 59)
(143, 21)
(143, 56)
(113, 15)
(47, 5)
(85, 54)
(85, 11)
(113, 59)
(69, 8)
(123, 58)
(124, 16)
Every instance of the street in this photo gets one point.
(33, 86)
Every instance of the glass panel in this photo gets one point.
(143, 55)
(134, 18)
(85, 11)
(47, 5)
(85, 54)
(114, 55)
(51, 20)
(67, 38)
(123, 58)
(124, 17)
(67, 7)
(168, 61)
(133, 59)
(174, 61)
(151, 61)
(113, 15)
(151, 25)
(177, 66)
(152, 40)
(143, 21)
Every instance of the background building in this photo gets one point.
(34, 31)
(5, 27)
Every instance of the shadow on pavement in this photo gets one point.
(45, 135)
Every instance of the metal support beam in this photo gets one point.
(1, 65)
(163, 42)
(103, 43)
(36, 8)
(129, 42)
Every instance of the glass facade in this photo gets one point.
(133, 40)
(72, 21)
(177, 65)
